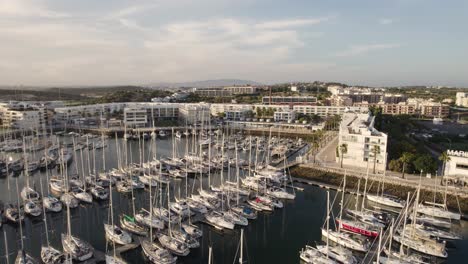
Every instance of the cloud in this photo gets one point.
(288, 23)
(362, 49)
(386, 21)
(89, 52)
(131, 10)
(27, 8)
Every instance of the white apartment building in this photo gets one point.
(96, 110)
(358, 133)
(216, 109)
(194, 113)
(238, 114)
(241, 89)
(461, 99)
(135, 117)
(324, 111)
(284, 116)
(458, 163)
(22, 115)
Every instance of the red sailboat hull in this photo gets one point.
(357, 230)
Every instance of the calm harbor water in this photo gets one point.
(276, 237)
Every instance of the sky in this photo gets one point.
(366, 42)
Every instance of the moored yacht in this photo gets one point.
(117, 235)
(145, 218)
(386, 200)
(78, 249)
(173, 245)
(52, 204)
(219, 221)
(157, 254)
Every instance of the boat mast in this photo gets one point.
(357, 194)
(342, 201)
(44, 213)
(210, 253)
(237, 175)
(209, 162)
(365, 188)
(241, 246)
(404, 224)
(19, 215)
(328, 218)
(250, 155)
(6, 246)
(169, 209)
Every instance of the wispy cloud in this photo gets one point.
(131, 10)
(362, 49)
(27, 8)
(386, 21)
(288, 23)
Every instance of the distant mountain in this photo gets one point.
(205, 83)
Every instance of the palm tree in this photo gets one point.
(343, 150)
(315, 147)
(405, 158)
(444, 157)
(375, 151)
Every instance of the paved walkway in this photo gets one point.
(325, 160)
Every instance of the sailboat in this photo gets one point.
(384, 199)
(113, 232)
(410, 238)
(342, 238)
(50, 203)
(327, 253)
(22, 256)
(174, 245)
(78, 249)
(49, 254)
(438, 210)
(148, 218)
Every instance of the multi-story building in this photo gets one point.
(401, 108)
(194, 113)
(94, 110)
(217, 109)
(394, 98)
(365, 145)
(433, 109)
(212, 92)
(135, 117)
(289, 100)
(238, 114)
(22, 115)
(284, 116)
(146, 114)
(241, 89)
(338, 100)
(458, 163)
(324, 111)
(461, 99)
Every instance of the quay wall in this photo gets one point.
(454, 202)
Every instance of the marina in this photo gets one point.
(216, 186)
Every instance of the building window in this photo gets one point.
(462, 166)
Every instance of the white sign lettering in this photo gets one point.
(457, 153)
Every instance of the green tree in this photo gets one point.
(444, 157)
(315, 147)
(395, 165)
(405, 159)
(375, 152)
(425, 163)
(343, 150)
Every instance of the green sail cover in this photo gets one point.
(129, 218)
